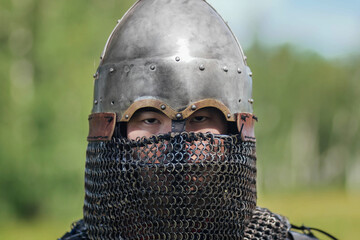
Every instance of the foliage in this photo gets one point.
(308, 133)
(49, 51)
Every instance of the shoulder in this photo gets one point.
(265, 224)
(78, 232)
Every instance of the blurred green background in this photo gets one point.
(307, 135)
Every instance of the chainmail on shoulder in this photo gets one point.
(279, 230)
(263, 225)
(266, 225)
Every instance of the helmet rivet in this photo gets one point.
(112, 102)
(229, 115)
(152, 67)
(95, 102)
(225, 69)
(95, 75)
(179, 115)
(250, 74)
(193, 107)
(111, 70)
(202, 67)
(239, 70)
(126, 116)
(177, 59)
(239, 100)
(163, 107)
(251, 100)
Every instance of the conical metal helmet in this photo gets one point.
(177, 56)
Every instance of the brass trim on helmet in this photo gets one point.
(173, 114)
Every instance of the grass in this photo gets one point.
(333, 211)
(34, 230)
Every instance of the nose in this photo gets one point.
(178, 125)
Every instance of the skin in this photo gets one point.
(145, 123)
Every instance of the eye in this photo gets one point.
(151, 121)
(198, 119)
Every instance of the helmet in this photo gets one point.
(176, 56)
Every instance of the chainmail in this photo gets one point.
(265, 225)
(172, 186)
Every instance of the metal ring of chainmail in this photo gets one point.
(266, 225)
(171, 186)
(263, 225)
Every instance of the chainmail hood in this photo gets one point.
(172, 186)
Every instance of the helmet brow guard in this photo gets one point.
(176, 56)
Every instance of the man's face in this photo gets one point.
(145, 123)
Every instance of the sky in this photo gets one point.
(328, 27)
